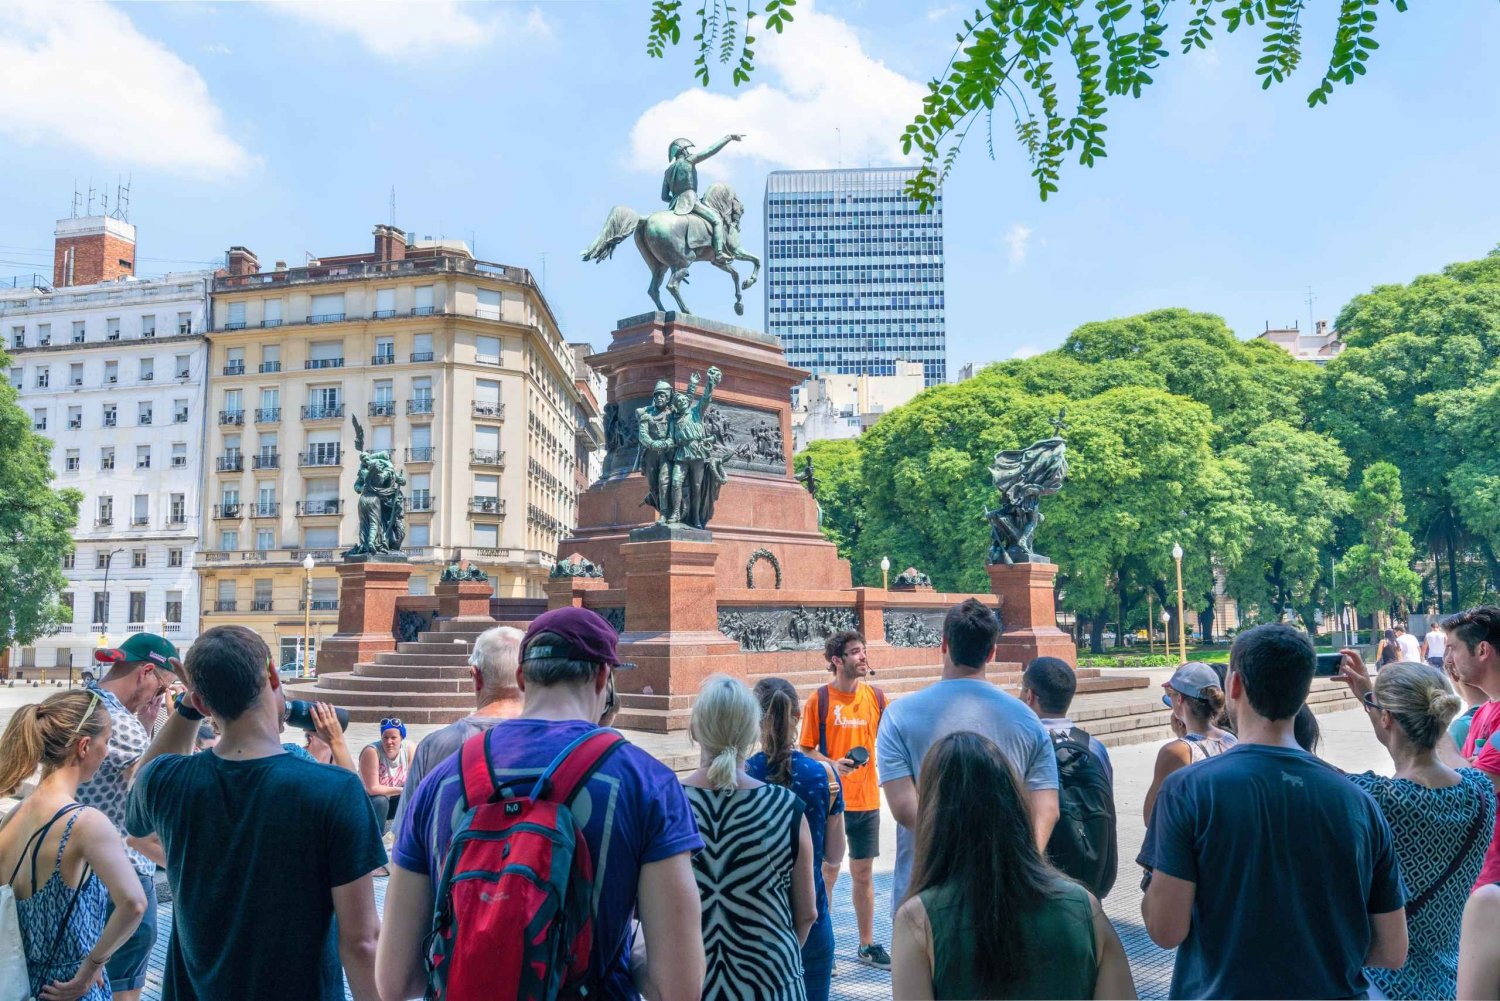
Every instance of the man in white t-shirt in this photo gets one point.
(1434, 644)
(1407, 644)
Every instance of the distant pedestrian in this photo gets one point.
(755, 870)
(1196, 700)
(986, 916)
(1265, 838)
(817, 785)
(66, 862)
(1441, 818)
(1434, 644)
(840, 724)
(1387, 651)
(963, 700)
(1407, 645)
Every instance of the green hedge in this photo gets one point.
(1127, 660)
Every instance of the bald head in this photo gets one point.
(496, 653)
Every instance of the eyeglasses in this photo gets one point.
(1370, 703)
(391, 723)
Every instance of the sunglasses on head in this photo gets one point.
(391, 723)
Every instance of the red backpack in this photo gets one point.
(514, 908)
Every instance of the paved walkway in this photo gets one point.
(1347, 743)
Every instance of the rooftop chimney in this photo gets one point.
(91, 249)
(390, 244)
(243, 261)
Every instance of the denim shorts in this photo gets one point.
(127, 967)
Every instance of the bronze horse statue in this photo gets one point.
(671, 243)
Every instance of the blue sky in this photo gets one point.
(284, 127)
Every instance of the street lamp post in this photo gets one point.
(885, 572)
(1150, 626)
(1166, 631)
(307, 664)
(1181, 619)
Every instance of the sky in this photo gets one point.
(284, 128)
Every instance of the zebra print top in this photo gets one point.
(744, 875)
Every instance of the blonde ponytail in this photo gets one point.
(1420, 698)
(45, 733)
(725, 723)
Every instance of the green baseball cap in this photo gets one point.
(146, 648)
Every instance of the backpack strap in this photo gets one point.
(823, 721)
(474, 767)
(1421, 900)
(879, 698)
(577, 763)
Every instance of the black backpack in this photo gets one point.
(1083, 844)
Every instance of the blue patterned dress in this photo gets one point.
(41, 914)
(1430, 827)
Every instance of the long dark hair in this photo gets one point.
(1388, 649)
(974, 836)
(778, 706)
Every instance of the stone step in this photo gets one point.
(347, 682)
(421, 660)
(388, 700)
(447, 647)
(821, 675)
(391, 674)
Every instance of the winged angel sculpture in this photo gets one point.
(382, 505)
(1023, 476)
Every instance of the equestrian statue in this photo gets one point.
(690, 229)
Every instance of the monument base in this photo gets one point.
(367, 610)
(464, 600)
(1028, 614)
(662, 531)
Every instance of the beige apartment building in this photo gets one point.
(454, 366)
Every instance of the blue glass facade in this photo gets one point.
(854, 273)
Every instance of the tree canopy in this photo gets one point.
(1012, 56)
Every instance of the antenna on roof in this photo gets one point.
(91, 196)
(77, 199)
(1310, 300)
(122, 200)
(393, 205)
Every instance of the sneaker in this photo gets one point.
(876, 956)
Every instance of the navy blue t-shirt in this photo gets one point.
(822, 796)
(1290, 860)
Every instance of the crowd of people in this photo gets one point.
(535, 852)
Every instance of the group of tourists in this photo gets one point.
(537, 853)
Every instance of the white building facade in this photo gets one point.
(114, 373)
(831, 407)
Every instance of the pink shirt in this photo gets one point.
(1483, 748)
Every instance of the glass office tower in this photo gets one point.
(854, 273)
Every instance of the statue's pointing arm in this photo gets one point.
(714, 377)
(700, 157)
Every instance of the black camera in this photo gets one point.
(299, 714)
(859, 755)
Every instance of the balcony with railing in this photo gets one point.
(135, 627)
(234, 462)
(330, 457)
(420, 500)
(319, 605)
(486, 505)
(232, 418)
(421, 356)
(419, 405)
(382, 314)
(421, 453)
(260, 605)
(325, 318)
(267, 415)
(139, 520)
(104, 520)
(318, 508)
(383, 408)
(265, 509)
(267, 367)
(324, 362)
(172, 627)
(225, 605)
(486, 457)
(383, 359)
(489, 411)
(266, 460)
(177, 518)
(235, 368)
(180, 417)
(323, 412)
(228, 511)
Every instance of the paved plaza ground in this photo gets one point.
(1347, 743)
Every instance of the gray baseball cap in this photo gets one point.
(1191, 679)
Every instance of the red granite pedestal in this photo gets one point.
(367, 610)
(464, 600)
(1028, 611)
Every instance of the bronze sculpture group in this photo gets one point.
(678, 456)
(382, 503)
(1023, 476)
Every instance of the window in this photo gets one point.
(421, 347)
(224, 596)
(101, 560)
(325, 593)
(43, 376)
(174, 556)
(70, 560)
(138, 558)
(267, 442)
(234, 361)
(16, 376)
(321, 538)
(272, 313)
(140, 509)
(67, 602)
(322, 492)
(184, 323)
(143, 414)
(419, 534)
(148, 325)
(75, 374)
(106, 510)
(487, 397)
(327, 308)
(487, 536)
(230, 494)
(111, 372)
(18, 336)
(323, 401)
(385, 351)
(112, 328)
(78, 331)
(177, 511)
(236, 316)
(291, 651)
(421, 492)
(326, 354)
(270, 358)
(111, 415)
(487, 350)
(75, 418)
(421, 300)
(148, 369)
(39, 419)
(183, 365)
(137, 607)
(385, 302)
(382, 437)
(486, 488)
(262, 595)
(487, 443)
(44, 334)
(488, 307)
(265, 540)
(385, 391)
(229, 540)
(179, 411)
(232, 449)
(70, 461)
(421, 442)
(107, 457)
(143, 457)
(101, 607)
(174, 606)
(234, 402)
(179, 455)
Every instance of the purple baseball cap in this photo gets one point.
(573, 633)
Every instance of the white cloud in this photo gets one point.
(81, 75)
(217, 49)
(414, 30)
(820, 100)
(942, 13)
(1025, 351)
(1017, 238)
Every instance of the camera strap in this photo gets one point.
(1421, 900)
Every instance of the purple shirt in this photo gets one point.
(648, 813)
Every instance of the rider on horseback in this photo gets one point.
(679, 188)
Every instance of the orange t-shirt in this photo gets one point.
(853, 718)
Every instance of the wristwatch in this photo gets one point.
(185, 709)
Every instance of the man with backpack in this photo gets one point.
(839, 725)
(1084, 843)
(546, 809)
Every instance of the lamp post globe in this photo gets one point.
(1181, 616)
(885, 572)
(307, 565)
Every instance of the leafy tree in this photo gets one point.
(1294, 496)
(838, 468)
(36, 525)
(1375, 574)
(1007, 55)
